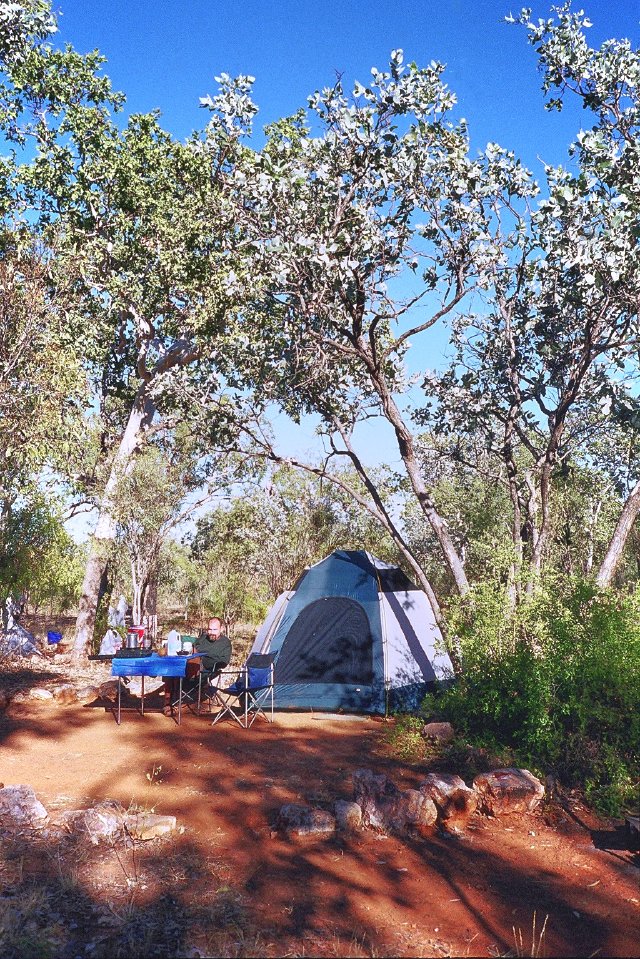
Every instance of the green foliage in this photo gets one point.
(557, 680)
(405, 739)
(56, 582)
(258, 546)
(37, 556)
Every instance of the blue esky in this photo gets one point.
(165, 54)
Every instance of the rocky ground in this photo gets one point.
(229, 880)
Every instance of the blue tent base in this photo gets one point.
(329, 697)
(335, 697)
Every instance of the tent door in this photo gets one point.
(329, 642)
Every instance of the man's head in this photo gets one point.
(214, 627)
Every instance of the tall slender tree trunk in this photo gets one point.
(543, 535)
(591, 529)
(140, 419)
(150, 602)
(406, 447)
(624, 526)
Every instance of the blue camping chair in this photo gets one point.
(250, 695)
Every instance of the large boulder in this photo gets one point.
(506, 791)
(65, 695)
(102, 823)
(386, 807)
(300, 820)
(87, 694)
(109, 690)
(19, 806)
(453, 799)
(108, 822)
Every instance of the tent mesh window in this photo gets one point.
(329, 642)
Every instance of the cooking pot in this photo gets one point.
(132, 641)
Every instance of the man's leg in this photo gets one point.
(170, 694)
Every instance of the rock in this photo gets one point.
(506, 791)
(109, 690)
(87, 694)
(297, 819)
(439, 732)
(42, 694)
(19, 806)
(148, 826)
(151, 683)
(101, 823)
(454, 800)
(348, 815)
(64, 695)
(387, 807)
(108, 822)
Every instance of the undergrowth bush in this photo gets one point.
(557, 680)
(405, 738)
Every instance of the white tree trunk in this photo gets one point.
(624, 526)
(140, 419)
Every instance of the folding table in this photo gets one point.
(174, 667)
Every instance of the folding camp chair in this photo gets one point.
(250, 695)
(188, 693)
(209, 679)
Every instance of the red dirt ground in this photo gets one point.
(369, 894)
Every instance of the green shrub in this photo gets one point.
(557, 680)
(405, 738)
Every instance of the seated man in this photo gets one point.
(215, 646)
(216, 654)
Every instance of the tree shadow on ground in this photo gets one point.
(269, 895)
(616, 841)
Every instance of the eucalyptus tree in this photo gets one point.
(553, 361)
(346, 201)
(143, 246)
(167, 482)
(607, 81)
(42, 385)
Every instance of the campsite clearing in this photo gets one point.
(225, 884)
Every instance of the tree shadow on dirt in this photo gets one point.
(63, 897)
(352, 889)
(616, 841)
(231, 875)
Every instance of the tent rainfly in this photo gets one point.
(353, 634)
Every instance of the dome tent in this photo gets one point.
(354, 634)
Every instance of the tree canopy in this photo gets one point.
(152, 286)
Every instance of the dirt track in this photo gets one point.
(367, 895)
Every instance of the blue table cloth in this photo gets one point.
(153, 665)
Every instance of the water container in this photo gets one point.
(53, 637)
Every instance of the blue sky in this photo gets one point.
(165, 54)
